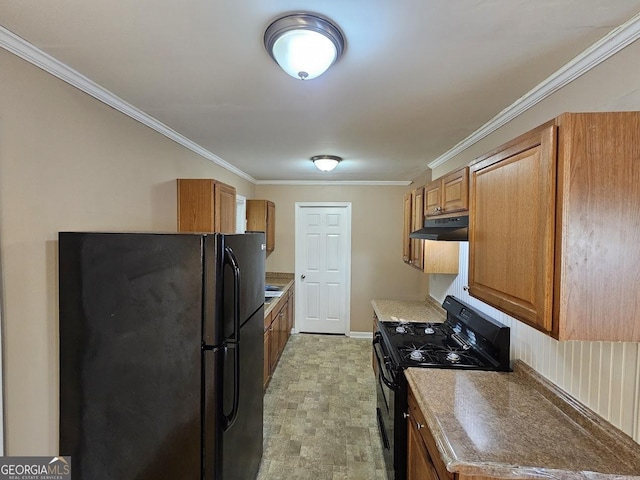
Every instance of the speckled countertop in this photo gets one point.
(429, 311)
(280, 279)
(518, 425)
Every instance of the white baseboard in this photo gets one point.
(367, 335)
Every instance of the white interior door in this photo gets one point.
(323, 267)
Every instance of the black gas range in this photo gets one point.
(468, 339)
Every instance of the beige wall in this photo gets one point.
(67, 162)
(603, 375)
(377, 270)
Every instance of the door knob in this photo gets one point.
(303, 277)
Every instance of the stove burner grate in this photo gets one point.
(416, 329)
(413, 352)
(402, 329)
(459, 356)
(431, 354)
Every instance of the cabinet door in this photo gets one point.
(417, 246)
(267, 357)
(261, 217)
(432, 199)
(448, 194)
(419, 465)
(424, 445)
(225, 208)
(195, 205)
(512, 227)
(407, 228)
(441, 257)
(284, 324)
(273, 344)
(374, 364)
(268, 334)
(454, 191)
(271, 226)
(598, 252)
(205, 205)
(292, 311)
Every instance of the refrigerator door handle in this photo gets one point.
(231, 260)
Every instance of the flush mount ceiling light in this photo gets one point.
(305, 45)
(326, 163)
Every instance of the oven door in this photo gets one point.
(386, 398)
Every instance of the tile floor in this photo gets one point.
(319, 409)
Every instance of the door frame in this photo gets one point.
(299, 208)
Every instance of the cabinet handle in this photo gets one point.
(466, 288)
(303, 277)
(419, 425)
(405, 415)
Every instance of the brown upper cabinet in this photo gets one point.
(441, 257)
(406, 228)
(553, 227)
(417, 220)
(425, 255)
(261, 217)
(448, 194)
(206, 205)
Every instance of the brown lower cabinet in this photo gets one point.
(423, 459)
(419, 466)
(277, 329)
(374, 364)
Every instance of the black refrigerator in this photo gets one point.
(161, 355)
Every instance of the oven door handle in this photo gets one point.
(382, 366)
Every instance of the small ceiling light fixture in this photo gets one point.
(326, 163)
(305, 45)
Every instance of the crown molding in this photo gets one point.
(32, 54)
(342, 183)
(607, 46)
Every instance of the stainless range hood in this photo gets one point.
(452, 229)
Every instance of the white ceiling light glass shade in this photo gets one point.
(326, 163)
(305, 45)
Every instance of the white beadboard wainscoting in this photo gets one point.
(605, 376)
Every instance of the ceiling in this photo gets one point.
(417, 76)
